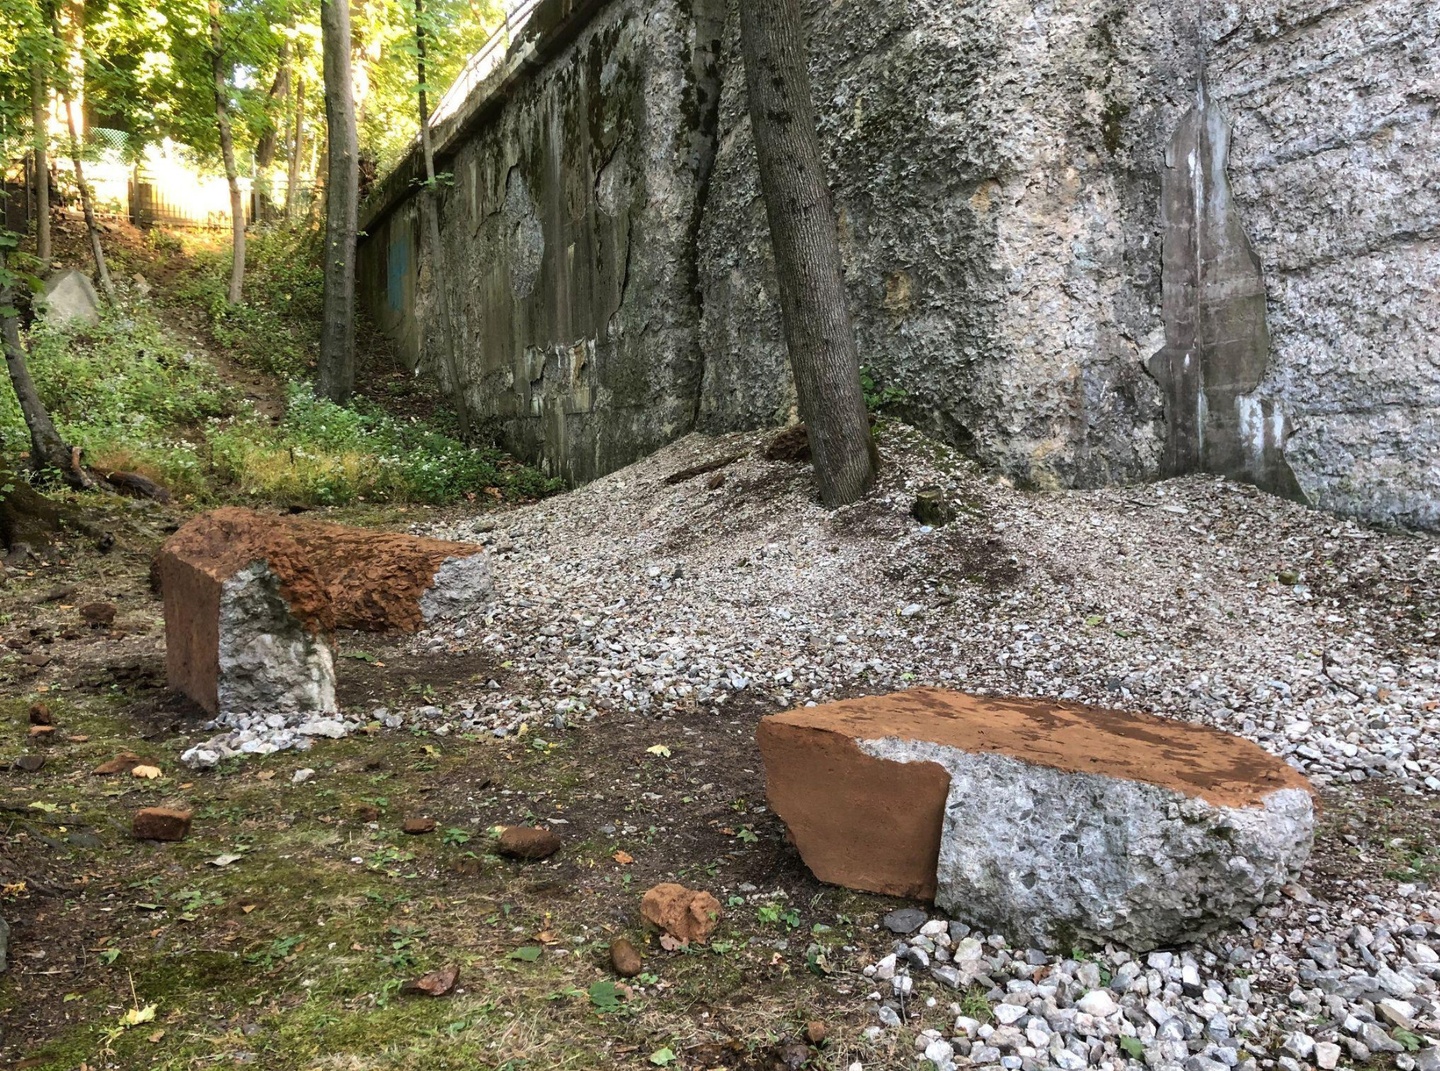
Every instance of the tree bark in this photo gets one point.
(336, 378)
(47, 450)
(227, 151)
(813, 306)
(40, 120)
(269, 144)
(87, 203)
(297, 145)
(430, 213)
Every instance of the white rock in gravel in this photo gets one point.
(327, 727)
(200, 757)
(301, 776)
(1009, 1013)
(1098, 1003)
(1327, 1055)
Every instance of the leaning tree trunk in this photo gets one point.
(227, 151)
(87, 203)
(48, 452)
(336, 378)
(818, 332)
(40, 120)
(430, 211)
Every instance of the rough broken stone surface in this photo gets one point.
(250, 599)
(161, 823)
(688, 915)
(1052, 822)
(70, 297)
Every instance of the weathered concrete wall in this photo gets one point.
(569, 235)
(1335, 166)
(998, 170)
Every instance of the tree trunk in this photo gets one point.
(813, 308)
(87, 204)
(40, 119)
(268, 146)
(297, 146)
(227, 151)
(430, 213)
(48, 452)
(25, 513)
(336, 378)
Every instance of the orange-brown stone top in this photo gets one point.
(1222, 769)
(332, 576)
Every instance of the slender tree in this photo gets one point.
(336, 372)
(48, 451)
(40, 125)
(430, 211)
(267, 148)
(87, 200)
(227, 153)
(813, 307)
(297, 147)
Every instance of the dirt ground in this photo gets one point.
(291, 955)
(281, 932)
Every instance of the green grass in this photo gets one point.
(135, 398)
(276, 329)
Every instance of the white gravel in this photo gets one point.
(1196, 598)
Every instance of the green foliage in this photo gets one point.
(878, 397)
(125, 393)
(605, 996)
(327, 454)
(1133, 1047)
(277, 329)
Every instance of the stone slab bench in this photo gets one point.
(250, 599)
(1047, 822)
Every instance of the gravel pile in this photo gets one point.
(265, 734)
(1300, 1000)
(1195, 598)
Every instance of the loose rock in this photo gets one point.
(688, 915)
(624, 959)
(1173, 830)
(161, 823)
(528, 842)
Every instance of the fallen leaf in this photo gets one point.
(623, 858)
(226, 860)
(525, 953)
(136, 1016)
(248, 908)
(40, 805)
(147, 772)
(436, 983)
(265, 775)
(155, 1037)
(658, 749)
(670, 944)
(547, 937)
